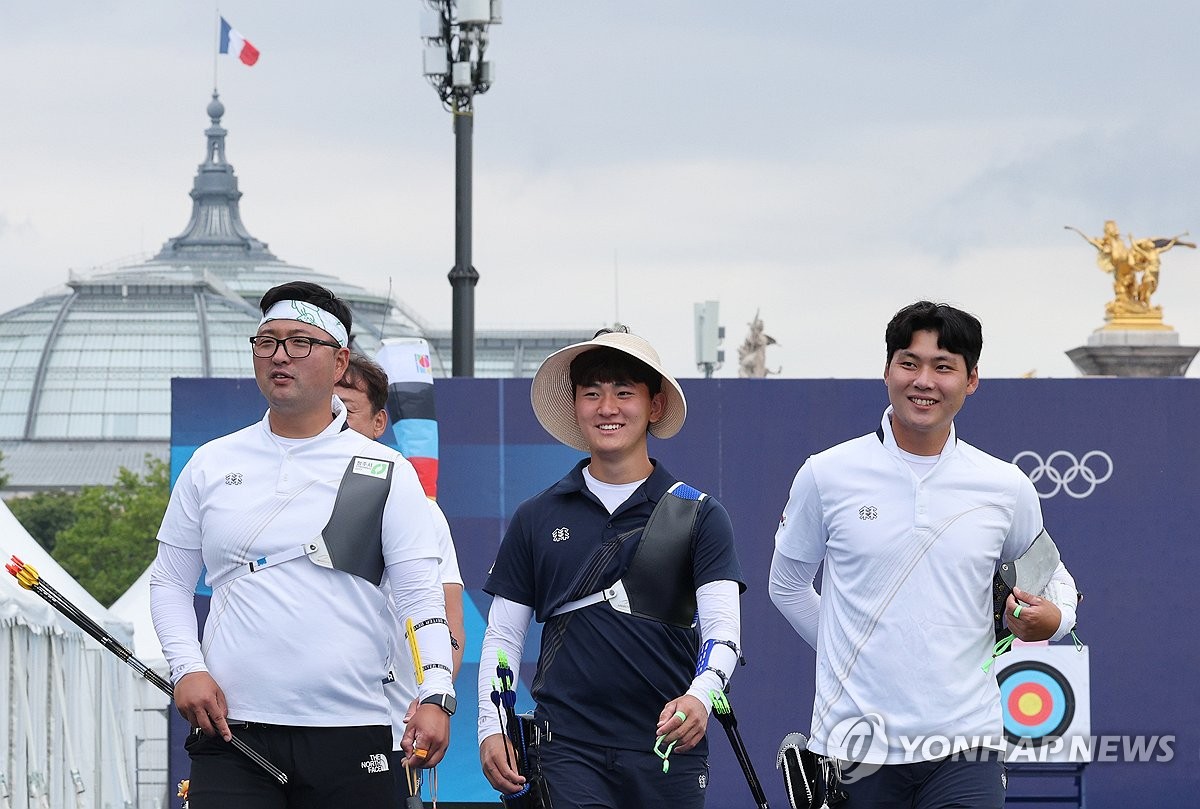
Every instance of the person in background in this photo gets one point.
(363, 389)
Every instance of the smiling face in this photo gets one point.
(299, 391)
(927, 386)
(614, 418)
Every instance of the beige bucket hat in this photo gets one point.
(553, 396)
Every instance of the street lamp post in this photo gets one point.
(455, 35)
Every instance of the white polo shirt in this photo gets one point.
(403, 690)
(906, 604)
(296, 643)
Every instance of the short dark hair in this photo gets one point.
(362, 369)
(605, 364)
(958, 332)
(308, 292)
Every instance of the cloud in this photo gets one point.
(827, 163)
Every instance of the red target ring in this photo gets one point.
(1038, 702)
(1030, 703)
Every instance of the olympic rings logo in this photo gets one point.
(1062, 471)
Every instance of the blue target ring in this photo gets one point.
(1037, 701)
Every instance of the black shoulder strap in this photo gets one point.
(659, 581)
(354, 535)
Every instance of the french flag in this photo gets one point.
(234, 43)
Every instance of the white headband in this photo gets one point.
(311, 314)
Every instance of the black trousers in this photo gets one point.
(588, 776)
(974, 781)
(403, 793)
(326, 767)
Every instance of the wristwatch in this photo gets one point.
(446, 702)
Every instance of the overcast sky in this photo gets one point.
(824, 163)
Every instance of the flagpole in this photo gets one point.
(216, 44)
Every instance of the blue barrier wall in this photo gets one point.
(1130, 541)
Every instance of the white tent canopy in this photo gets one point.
(133, 607)
(67, 737)
(151, 706)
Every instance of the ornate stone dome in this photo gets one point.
(94, 362)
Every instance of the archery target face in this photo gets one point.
(1037, 700)
(1045, 696)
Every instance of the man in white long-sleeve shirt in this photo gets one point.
(295, 647)
(621, 663)
(911, 523)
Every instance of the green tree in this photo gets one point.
(44, 515)
(3, 474)
(113, 537)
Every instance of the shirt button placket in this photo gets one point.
(283, 471)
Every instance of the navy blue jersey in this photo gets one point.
(604, 676)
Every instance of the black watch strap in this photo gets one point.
(446, 702)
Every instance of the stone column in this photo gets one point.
(1134, 345)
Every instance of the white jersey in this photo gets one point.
(296, 643)
(403, 689)
(906, 604)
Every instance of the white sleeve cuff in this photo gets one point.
(791, 590)
(719, 606)
(418, 595)
(173, 577)
(507, 626)
(1061, 590)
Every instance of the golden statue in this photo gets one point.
(1130, 307)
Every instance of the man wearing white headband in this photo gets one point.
(295, 647)
(615, 560)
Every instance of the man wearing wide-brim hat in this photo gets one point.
(625, 673)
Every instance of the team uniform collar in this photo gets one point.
(336, 426)
(652, 489)
(888, 438)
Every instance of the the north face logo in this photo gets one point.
(376, 763)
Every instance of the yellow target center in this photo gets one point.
(1030, 704)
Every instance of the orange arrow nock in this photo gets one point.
(26, 575)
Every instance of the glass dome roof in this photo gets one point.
(95, 361)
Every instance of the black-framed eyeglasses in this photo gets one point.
(295, 347)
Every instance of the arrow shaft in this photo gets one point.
(29, 579)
